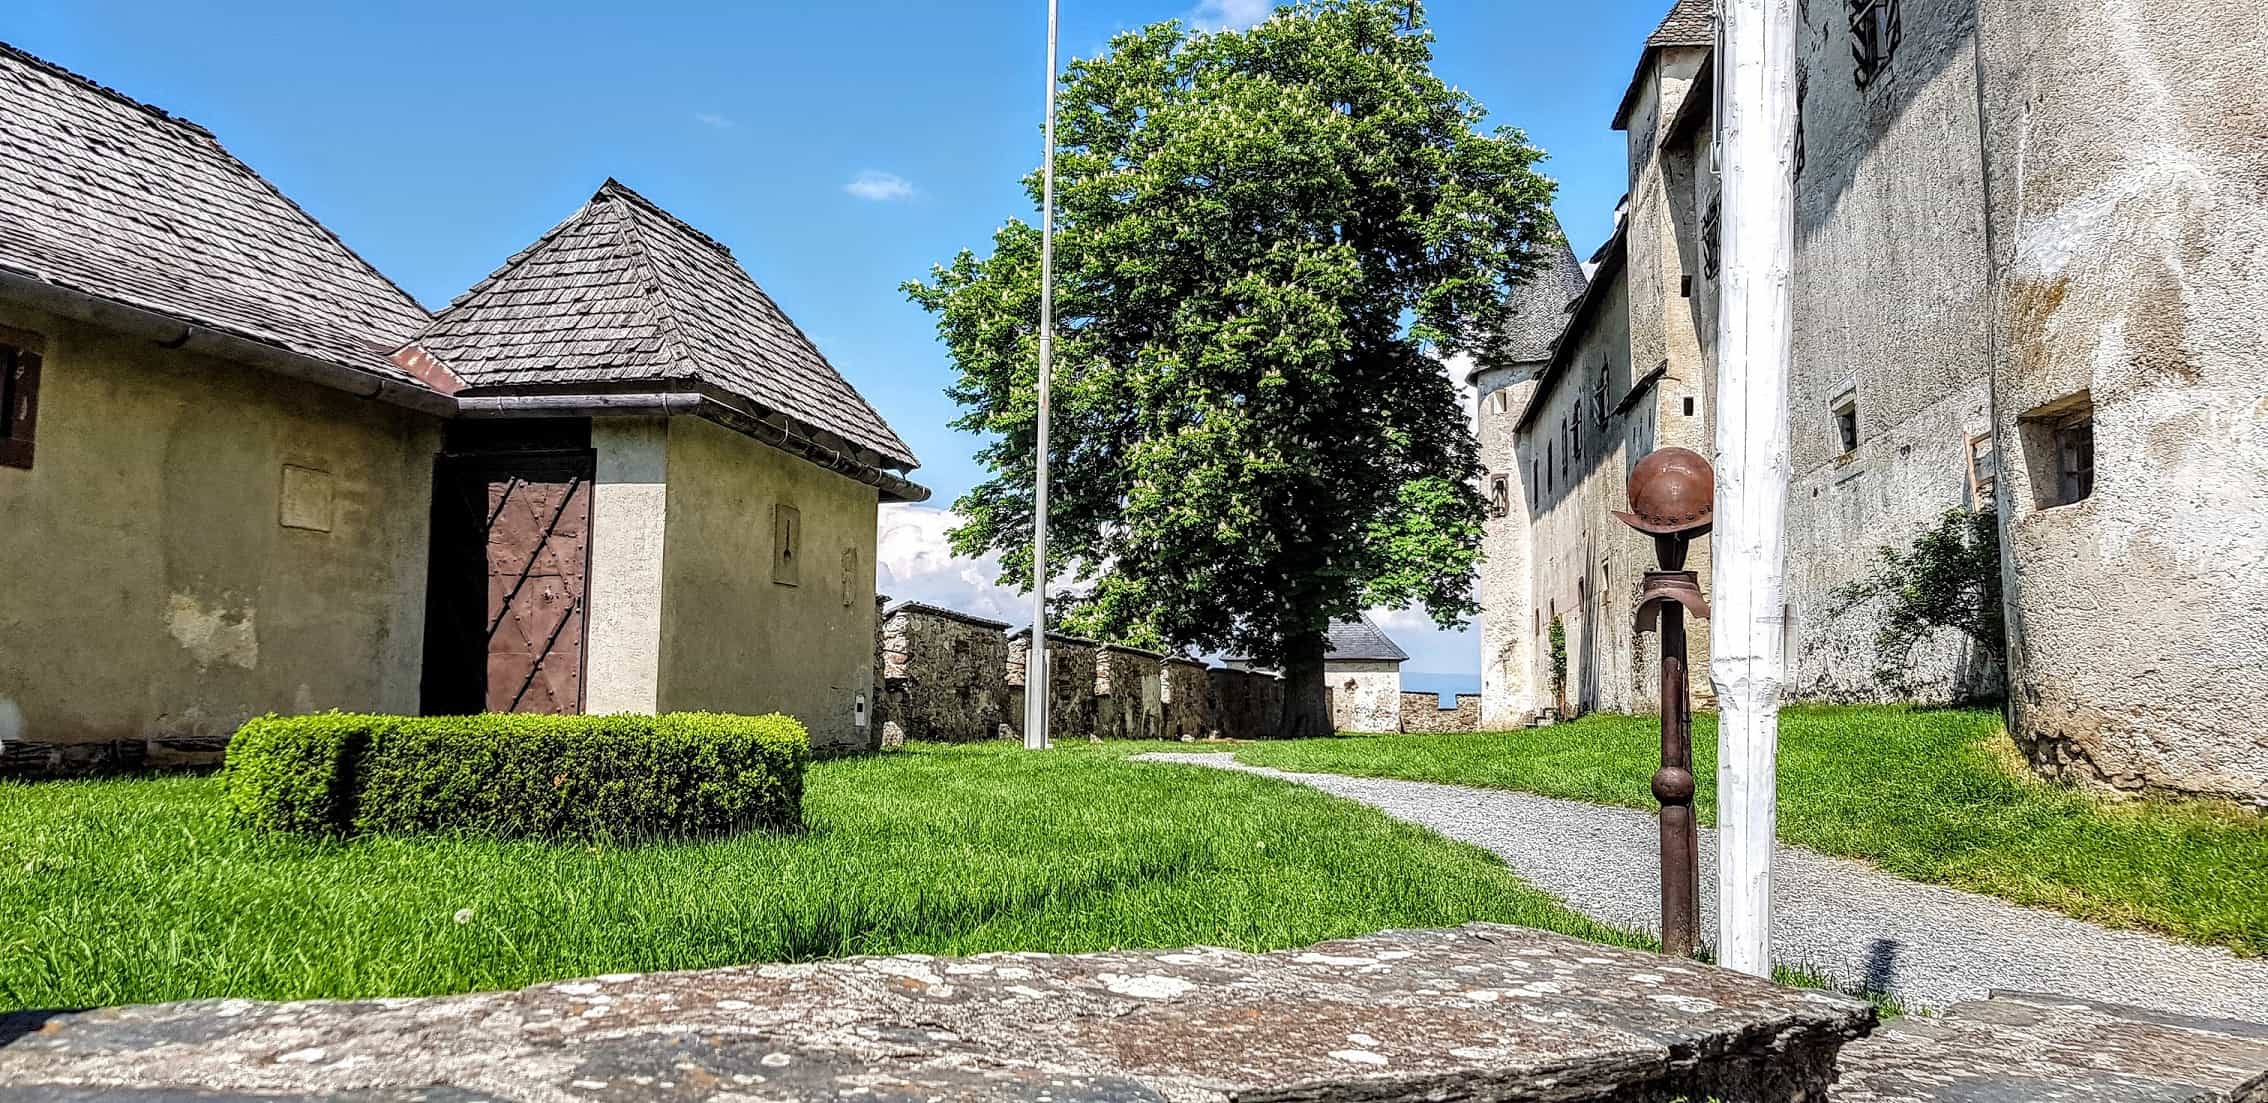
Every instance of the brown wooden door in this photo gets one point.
(505, 598)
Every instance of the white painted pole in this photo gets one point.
(1035, 671)
(1755, 355)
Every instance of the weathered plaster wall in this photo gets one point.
(155, 598)
(734, 637)
(1365, 696)
(622, 648)
(2129, 206)
(1578, 551)
(944, 676)
(1508, 685)
(1891, 288)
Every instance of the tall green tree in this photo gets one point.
(1266, 239)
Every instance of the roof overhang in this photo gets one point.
(777, 430)
(202, 337)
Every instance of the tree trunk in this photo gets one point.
(1307, 702)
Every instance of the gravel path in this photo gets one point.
(1929, 945)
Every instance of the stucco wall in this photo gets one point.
(1891, 288)
(733, 638)
(1365, 696)
(155, 599)
(1578, 551)
(1507, 665)
(2129, 189)
(622, 637)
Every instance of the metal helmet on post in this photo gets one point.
(1673, 492)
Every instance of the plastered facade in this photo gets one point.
(158, 597)
(2129, 223)
(1366, 696)
(2034, 214)
(735, 636)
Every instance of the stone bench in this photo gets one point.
(1481, 1012)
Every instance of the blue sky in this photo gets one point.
(838, 148)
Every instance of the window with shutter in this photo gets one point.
(19, 395)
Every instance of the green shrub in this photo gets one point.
(518, 776)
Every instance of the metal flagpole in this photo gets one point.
(1036, 670)
(1755, 354)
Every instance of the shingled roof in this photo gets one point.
(1539, 305)
(108, 199)
(1359, 640)
(1689, 23)
(623, 293)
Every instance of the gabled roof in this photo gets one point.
(1689, 23)
(112, 200)
(1609, 260)
(1359, 640)
(622, 293)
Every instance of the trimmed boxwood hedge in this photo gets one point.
(514, 776)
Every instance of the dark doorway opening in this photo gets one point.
(505, 589)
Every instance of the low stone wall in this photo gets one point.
(1422, 713)
(1070, 684)
(1247, 704)
(1481, 1011)
(1187, 695)
(943, 676)
(1129, 696)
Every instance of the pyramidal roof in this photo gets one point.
(624, 293)
(1361, 640)
(1539, 304)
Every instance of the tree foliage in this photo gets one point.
(1266, 238)
(1948, 578)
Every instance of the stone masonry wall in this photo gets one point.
(1422, 713)
(946, 676)
(943, 676)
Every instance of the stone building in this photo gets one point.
(1363, 672)
(243, 472)
(2027, 278)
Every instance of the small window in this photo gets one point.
(1547, 466)
(1503, 401)
(19, 395)
(1500, 495)
(1685, 286)
(1710, 240)
(1984, 470)
(787, 545)
(2059, 447)
(1846, 425)
(1689, 405)
(1875, 31)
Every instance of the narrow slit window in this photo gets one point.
(19, 396)
(1846, 425)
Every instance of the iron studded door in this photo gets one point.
(511, 564)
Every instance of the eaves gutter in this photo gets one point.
(778, 432)
(179, 333)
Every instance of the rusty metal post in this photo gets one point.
(1673, 782)
(1671, 493)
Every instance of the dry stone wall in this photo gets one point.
(1422, 713)
(946, 676)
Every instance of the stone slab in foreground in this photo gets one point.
(1481, 1012)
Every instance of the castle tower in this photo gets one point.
(1508, 692)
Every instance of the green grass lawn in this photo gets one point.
(1925, 794)
(136, 890)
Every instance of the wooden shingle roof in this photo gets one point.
(622, 294)
(1360, 640)
(104, 197)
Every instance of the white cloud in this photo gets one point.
(913, 562)
(711, 118)
(881, 187)
(1433, 650)
(1216, 15)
